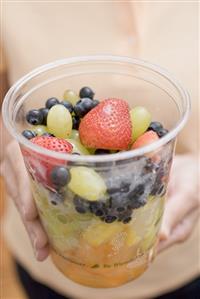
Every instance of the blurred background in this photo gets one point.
(34, 33)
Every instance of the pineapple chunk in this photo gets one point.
(99, 233)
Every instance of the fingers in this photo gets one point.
(42, 254)
(177, 207)
(26, 204)
(38, 238)
(17, 184)
(36, 232)
(181, 232)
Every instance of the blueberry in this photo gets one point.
(119, 203)
(56, 198)
(102, 152)
(155, 126)
(68, 105)
(99, 213)
(34, 117)
(98, 207)
(150, 166)
(127, 214)
(29, 134)
(127, 220)
(76, 122)
(162, 132)
(81, 205)
(160, 173)
(86, 92)
(138, 191)
(123, 188)
(79, 109)
(162, 190)
(136, 197)
(140, 202)
(87, 104)
(159, 188)
(48, 135)
(110, 219)
(44, 112)
(83, 106)
(51, 102)
(60, 176)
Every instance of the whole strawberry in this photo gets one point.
(41, 166)
(107, 126)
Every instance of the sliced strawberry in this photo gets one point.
(145, 139)
(40, 166)
(107, 126)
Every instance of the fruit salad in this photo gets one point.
(102, 219)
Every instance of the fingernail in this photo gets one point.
(35, 243)
(40, 255)
(24, 211)
(33, 239)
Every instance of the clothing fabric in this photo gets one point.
(35, 33)
(34, 289)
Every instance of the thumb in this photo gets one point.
(177, 207)
(21, 175)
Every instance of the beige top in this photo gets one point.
(35, 33)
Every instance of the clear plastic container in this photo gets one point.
(94, 248)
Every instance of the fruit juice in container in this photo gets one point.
(97, 135)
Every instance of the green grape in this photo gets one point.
(40, 130)
(59, 121)
(70, 96)
(140, 119)
(87, 183)
(75, 135)
(78, 147)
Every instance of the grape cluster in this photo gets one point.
(55, 117)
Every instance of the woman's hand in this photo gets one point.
(183, 203)
(18, 188)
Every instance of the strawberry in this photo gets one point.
(145, 139)
(107, 126)
(52, 143)
(40, 166)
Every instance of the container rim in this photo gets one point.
(95, 158)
